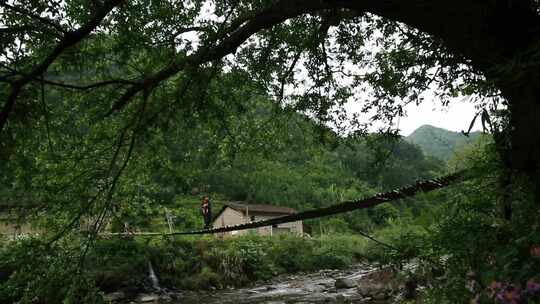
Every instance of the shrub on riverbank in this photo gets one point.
(466, 249)
(215, 262)
(36, 272)
(186, 262)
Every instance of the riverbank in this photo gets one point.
(359, 283)
(123, 266)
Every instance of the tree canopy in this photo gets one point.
(111, 110)
(119, 57)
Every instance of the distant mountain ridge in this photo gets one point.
(439, 142)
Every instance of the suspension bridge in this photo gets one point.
(343, 207)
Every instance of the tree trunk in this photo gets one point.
(499, 38)
(524, 103)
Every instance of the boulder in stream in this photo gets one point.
(114, 296)
(146, 298)
(344, 283)
(378, 284)
(370, 288)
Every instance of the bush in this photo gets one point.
(338, 251)
(249, 258)
(31, 270)
(39, 273)
(407, 238)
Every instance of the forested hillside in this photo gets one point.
(264, 154)
(440, 143)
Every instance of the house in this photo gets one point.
(12, 226)
(235, 213)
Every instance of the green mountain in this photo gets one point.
(438, 142)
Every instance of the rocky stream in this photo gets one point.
(361, 283)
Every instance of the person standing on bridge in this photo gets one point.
(206, 211)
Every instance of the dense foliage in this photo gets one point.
(112, 111)
(256, 152)
(188, 263)
(468, 249)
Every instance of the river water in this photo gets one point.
(318, 287)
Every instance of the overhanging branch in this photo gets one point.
(69, 39)
(42, 20)
(275, 14)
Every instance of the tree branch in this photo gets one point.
(42, 20)
(68, 40)
(276, 14)
(88, 86)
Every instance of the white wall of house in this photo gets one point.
(11, 228)
(293, 227)
(231, 217)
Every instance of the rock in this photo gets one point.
(326, 284)
(380, 296)
(383, 276)
(370, 289)
(315, 288)
(355, 299)
(165, 298)
(344, 283)
(175, 295)
(114, 296)
(340, 298)
(145, 298)
(367, 299)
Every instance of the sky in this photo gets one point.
(456, 117)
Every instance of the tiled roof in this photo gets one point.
(259, 208)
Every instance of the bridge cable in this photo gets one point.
(347, 206)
